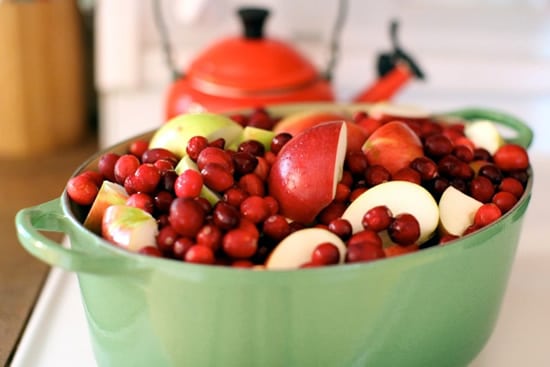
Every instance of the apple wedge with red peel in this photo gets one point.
(393, 145)
(456, 211)
(129, 227)
(399, 197)
(305, 174)
(175, 133)
(296, 248)
(110, 193)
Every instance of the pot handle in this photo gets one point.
(49, 216)
(523, 133)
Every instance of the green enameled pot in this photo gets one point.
(435, 307)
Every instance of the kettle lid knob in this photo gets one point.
(253, 20)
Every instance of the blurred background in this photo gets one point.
(79, 75)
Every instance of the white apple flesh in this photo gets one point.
(400, 197)
(110, 193)
(129, 227)
(484, 134)
(305, 174)
(456, 211)
(296, 248)
(389, 110)
(175, 134)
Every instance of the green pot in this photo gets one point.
(435, 307)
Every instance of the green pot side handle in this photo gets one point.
(49, 217)
(523, 134)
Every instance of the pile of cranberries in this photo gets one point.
(244, 226)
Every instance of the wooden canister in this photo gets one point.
(42, 81)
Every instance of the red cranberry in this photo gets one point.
(325, 253)
(217, 143)
(438, 145)
(276, 227)
(252, 147)
(511, 185)
(125, 166)
(464, 153)
(154, 154)
(377, 219)
(239, 243)
(376, 174)
(486, 214)
(244, 264)
(167, 181)
(210, 155)
(364, 252)
(272, 204)
(211, 236)
(365, 236)
(181, 246)
(200, 254)
(340, 227)
(94, 176)
(195, 145)
(188, 184)
(142, 201)
(234, 196)
(481, 154)
(511, 157)
(491, 172)
(252, 184)
(482, 189)
(165, 240)
(255, 209)
(404, 229)
(426, 167)
(225, 216)
(106, 165)
(279, 141)
(342, 192)
(504, 200)
(150, 251)
(217, 177)
(82, 190)
(244, 162)
(356, 162)
(186, 216)
(138, 147)
(146, 178)
(407, 174)
(164, 165)
(262, 168)
(162, 201)
(331, 212)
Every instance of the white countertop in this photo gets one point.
(57, 332)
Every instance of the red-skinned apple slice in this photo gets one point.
(399, 197)
(393, 145)
(305, 174)
(129, 227)
(456, 211)
(296, 248)
(109, 193)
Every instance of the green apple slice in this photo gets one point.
(399, 197)
(456, 211)
(129, 227)
(110, 193)
(187, 163)
(254, 133)
(484, 134)
(175, 134)
(296, 248)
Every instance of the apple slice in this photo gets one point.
(187, 163)
(296, 248)
(254, 133)
(484, 134)
(175, 134)
(110, 193)
(456, 211)
(399, 197)
(129, 227)
(393, 145)
(305, 174)
(385, 110)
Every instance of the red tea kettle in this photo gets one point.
(252, 70)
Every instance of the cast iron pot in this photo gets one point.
(435, 307)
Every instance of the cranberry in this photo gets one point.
(262, 168)
(186, 216)
(154, 154)
(279, 141)
(239, 243)
(225, 216)
(272, 204)
(331, 212)
(492, 172)
(195, 145)
(255, 209)
(276, 226)
(486, 214)
(325, 253)
(439, 185)
(210, 155)
(164, 165)
(426, 167)
(363, 252)
(106, 165)
(82, 190)
(181, 246)
(504, 200)
(138, 147)
(244, 162)
(150, 251)
(167, 181)
(340, 227)
(356, 162)
(252, 147)
(481, 154)
(239, 118)
(376, 174)
(204, 204)
(482, 189)
(217, 143)
(511, 157)
(377, 219)
(146, 178)
(188, 184)
(94, 176)
(511, 185)
(342, 192)
(438, 145)
(217, 177)
(241, 263)
(211, 236)
(162, 201)
(365, 236)
(165, 240)
(252, 184)
(142, 201)
(200, 254)
(356, 192)
(521, 175)
(407, 174)
(234, 196)
(404, 229)
(125, 166)
(464, 153)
